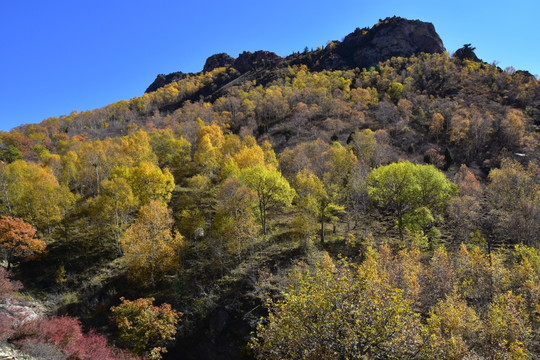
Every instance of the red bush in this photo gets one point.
(7, 287)
(66, 333)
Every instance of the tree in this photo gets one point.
(207, 156)
(234, 219)
(415, 193)
(172, 153)
(314, 198)
(116, 204)
(18, 239)
(509, 329)
(148, 182)
(150, 247)
(31, 191)
(465, 209)
(452, 327)
(437, 126)
(145, 327)
(364, 146)
(272, 189)
(339, 312)
(514, 194)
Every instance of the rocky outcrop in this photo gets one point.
(248, 61)
(218, 60)
(162, 80)
(362, 48)
(388, 38)
(466, 53)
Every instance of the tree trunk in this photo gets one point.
(322, 230)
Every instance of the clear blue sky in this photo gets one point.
(59, 56)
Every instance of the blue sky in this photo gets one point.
(59, 56)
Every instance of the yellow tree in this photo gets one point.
(339, 312)
(148, 182)
(514, 194)
(31, 191)
(115, 204)
(249, 156)
(151, 248)
(145, 327)
(207, 156)
(234, 219)
(173, 153)
(453, 328)
(314, 199)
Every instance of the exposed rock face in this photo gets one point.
(162, 80)
(390, 37)
(362, 48)
(217, 61)
(247, 61)
(466, 53)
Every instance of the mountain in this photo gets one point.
(362, 48)
(258, 182)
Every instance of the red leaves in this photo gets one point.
(66, 334)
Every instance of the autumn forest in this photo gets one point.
(281, 208)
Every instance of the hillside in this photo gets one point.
(351, 200)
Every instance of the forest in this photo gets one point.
(288, 212)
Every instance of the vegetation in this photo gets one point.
(419, 175)
(144, 326)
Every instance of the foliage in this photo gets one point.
(145, 327)
(204, 146)
(31, 192)
(148, 182)
(314, 199)
(271, 188)
(7, 287)
(339, 312)
(514, 193)
(415, 193)
(151, 248)
(66, 334)
(18, 239)
(235, 218)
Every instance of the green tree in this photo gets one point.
(145, 327)
(415, 193)
(272, 189)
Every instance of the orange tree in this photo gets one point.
(18, 239)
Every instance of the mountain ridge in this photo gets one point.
(391, 37)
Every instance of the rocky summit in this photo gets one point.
(391, 37)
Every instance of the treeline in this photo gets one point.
(428, 101)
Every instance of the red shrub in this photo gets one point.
(7, 287)
(66, 333)
(6, 327)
